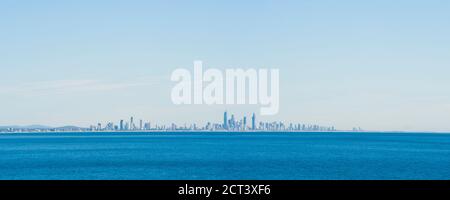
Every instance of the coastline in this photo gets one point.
(224, 132)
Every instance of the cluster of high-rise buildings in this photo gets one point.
(229, 124)
(233, 124)
(123, 125)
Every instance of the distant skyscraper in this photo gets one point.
(232, 122)
(131, 124)
(121, 125)
(253, 122)
(225, 120)
(140, 124)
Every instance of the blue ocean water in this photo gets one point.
(230, 156)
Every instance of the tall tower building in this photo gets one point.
(244, 126)
(232, 122)
(121, 125)
(253, 122)
(225, 121)
(131, 123)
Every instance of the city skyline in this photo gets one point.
(229, 124)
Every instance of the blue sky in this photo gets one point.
(381, 65)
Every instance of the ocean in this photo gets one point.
(225, 156)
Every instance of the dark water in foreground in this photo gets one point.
(225, 156)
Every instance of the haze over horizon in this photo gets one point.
(380, 65)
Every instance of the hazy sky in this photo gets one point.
(380, 65)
